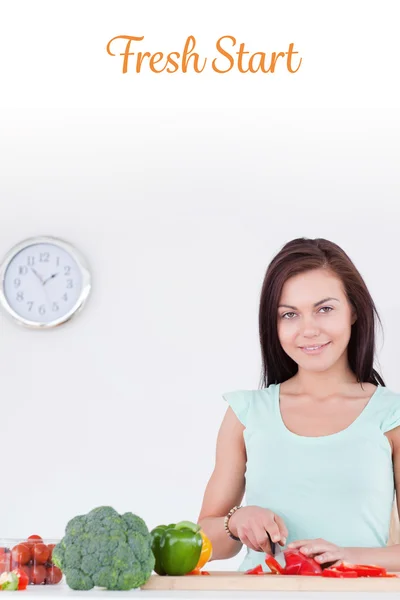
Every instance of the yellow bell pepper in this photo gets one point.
(205, 554)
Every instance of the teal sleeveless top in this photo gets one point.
(338, 487)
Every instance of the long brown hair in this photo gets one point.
(304, 254)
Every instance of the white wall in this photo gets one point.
(179, 191)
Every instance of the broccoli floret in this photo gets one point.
(78, 580)
(105, 549)
(106, 576)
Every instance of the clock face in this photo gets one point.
(43, 283)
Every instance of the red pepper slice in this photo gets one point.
(198, 572)
(363, 570)
(258, 570)
(273, 565)
(298, 564)
(334, 572)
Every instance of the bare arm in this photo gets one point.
(225, 487)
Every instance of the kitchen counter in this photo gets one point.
(63, 591)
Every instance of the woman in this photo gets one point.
(317, 448)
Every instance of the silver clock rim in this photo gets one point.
(81, 262)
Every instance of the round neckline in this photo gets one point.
(331, 436)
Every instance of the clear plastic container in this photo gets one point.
(33, 555)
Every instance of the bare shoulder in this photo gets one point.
(231, 422)
(391, 424)
(230, 439)
(394, 439)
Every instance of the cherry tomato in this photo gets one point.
(41, 554)
(23, 579)
(32, 541)
(54, 575)
(38, 574)
(28, 571)
(21, 555)
(5, 560)
(35, 538)
(51, 548)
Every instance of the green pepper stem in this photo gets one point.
(188, 525)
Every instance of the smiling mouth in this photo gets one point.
(314, 348)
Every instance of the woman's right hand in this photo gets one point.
(251, 524)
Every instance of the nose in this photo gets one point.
(310, 333)
(309, 328)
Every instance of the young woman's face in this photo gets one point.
(314, 319)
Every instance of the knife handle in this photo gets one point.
(272, 544)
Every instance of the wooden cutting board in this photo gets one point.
(237, 580)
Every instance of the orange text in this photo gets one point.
(228, 59)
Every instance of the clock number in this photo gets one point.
(22, 270)
(44, 257)
(67, 270)
(42, 309)
(31, 261)
(70, 283)
(55, 307)
(30, 304)
(17, 282)
(58, 261)
(65, 297)
(20, 296)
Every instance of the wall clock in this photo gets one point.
(45, 281)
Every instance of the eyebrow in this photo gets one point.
(316, 303)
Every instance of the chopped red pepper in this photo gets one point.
(334, 572)
(198, 572)
(298, 564)
(273, 565)
(362, 570)
(258, 570)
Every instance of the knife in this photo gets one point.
(272, 544)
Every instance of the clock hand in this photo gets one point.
(51, 277)
(37, 275)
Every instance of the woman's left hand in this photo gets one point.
(321, 550)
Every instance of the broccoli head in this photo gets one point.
(105, 549)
